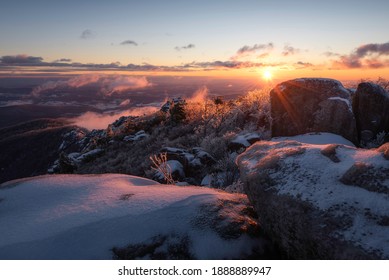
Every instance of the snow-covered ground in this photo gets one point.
(317, 138)
(85, 216)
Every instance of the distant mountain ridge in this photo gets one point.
(29, 148)
(14, 115)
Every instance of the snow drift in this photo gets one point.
(113, 216)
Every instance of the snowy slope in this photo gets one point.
(85, 216)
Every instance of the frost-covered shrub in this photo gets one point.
(228, 170)
(207, 123)
(216, 146)
(177, 113)
(210, 116)
(253, 110)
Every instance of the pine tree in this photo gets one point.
(177, 112)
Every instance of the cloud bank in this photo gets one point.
(20, 59)
(105, 84)
(228, 64)
(92, 120)
(7, 61)
(365, 56)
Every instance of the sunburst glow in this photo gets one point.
(267, 75)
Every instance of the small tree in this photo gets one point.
(177, 112)
(218, 100)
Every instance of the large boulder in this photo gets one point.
(320, 201)
(312, 105)
(371, 109)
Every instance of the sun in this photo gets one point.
(267, 75)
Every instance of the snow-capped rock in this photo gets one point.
(195, 162)
(181, 155)
(189, 159)
(320, 201)
(72, 138)
(170, 103)
(312, 105)
(69, 163)
(141, 134)
(90, 155)
(203, 156)
(123, 217)
(92, 140)
(242, 141)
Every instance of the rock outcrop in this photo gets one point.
(312, 105)
(169, 104)
(192, 163)
(123, 125)
(29, 148)
(320, 201)
(190, 159)
(371, 109)
(140, 135)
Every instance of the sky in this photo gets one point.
(289, 39)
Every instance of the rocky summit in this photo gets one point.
(323, 105)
